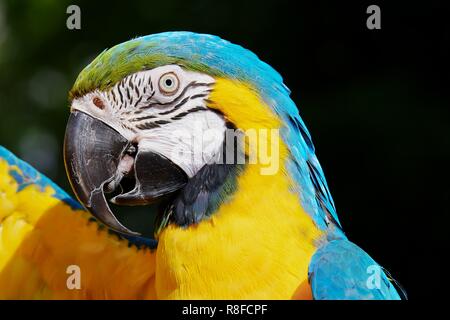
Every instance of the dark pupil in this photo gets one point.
(168, 82)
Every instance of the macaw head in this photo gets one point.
(149, 121)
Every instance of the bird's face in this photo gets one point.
(137, 140)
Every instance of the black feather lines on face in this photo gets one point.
(167, 112)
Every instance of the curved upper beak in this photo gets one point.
(97, 158)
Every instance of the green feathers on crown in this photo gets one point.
(112, 65)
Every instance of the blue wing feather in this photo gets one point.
(27, 175)
(340, 270)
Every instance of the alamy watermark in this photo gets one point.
(374, 278)
(201, 146)
(374, 20)
(73, 21)
(73, 281)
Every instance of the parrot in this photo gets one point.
(206, 132)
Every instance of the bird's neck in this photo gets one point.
(256, 244)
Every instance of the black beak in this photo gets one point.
(94, 156)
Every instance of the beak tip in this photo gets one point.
(123, 230)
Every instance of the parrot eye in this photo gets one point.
(168, 83)
(98, 103)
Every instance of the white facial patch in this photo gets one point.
(164, 111)
(189, 143)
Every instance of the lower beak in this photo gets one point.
(97, 158)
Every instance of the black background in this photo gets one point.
(375, 101)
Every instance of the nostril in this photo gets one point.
(98, 103)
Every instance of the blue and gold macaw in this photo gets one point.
(207, 132)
